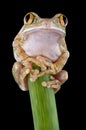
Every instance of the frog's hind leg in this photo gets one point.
(62, 76)
(20, 75)
(56, 81)
(59, 64)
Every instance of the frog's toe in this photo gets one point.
(55, 84)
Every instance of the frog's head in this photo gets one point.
(32, 22)
(40, 33)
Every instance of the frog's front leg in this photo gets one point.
(57, 66)
(51, 68)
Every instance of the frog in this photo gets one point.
(41, 41)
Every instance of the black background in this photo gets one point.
(15, 104)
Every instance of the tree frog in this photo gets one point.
(41, 41)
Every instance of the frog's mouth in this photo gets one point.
(43, 41)
(53, 29)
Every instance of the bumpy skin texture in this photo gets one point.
(41, 41)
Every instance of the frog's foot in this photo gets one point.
(20, 73)
(40, 61)
(28, 70)
(55, 84)
(44, 62)
(56, 81)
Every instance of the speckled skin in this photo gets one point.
(41, 41)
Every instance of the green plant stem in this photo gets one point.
(43, 105)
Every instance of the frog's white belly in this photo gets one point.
(42, 43)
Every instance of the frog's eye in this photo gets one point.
(63, 20)
(29, 18)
